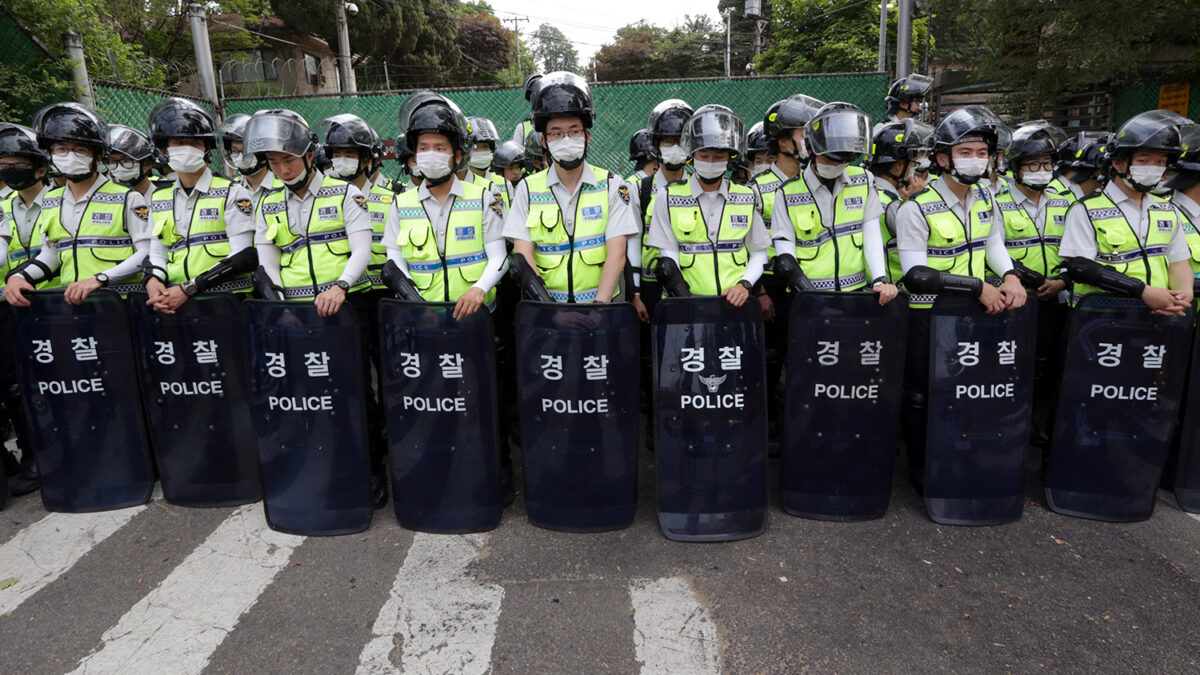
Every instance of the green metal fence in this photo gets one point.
(1135, 98)
(129, 105)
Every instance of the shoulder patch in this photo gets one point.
(142, 212)
(498, 205)
(244, 206)
(361, 201)
(623, 191)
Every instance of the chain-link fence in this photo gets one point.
(129, 105)
(1142, 96)
(621, 108)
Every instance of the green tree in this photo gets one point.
(486, 47)
(552, 50)
(821, 36)
(694, 48)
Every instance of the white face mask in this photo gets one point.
(971, 167)
(344, 167)
(124, 175)
(673, 155)
(415, 171)
(434, 164)
(1146, 176)
(73, 164)
(481, 159)
(297, 182)
(760, 169)
(922, 165)
(829, 171)
(185, 159)
(709, 170)
(568, 149)
(1036, 179)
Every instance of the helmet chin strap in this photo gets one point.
(961, 179)
(302, 180)
(710, 181)
(573, 164)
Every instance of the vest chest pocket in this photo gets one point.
(1193, 242)
(595, 253)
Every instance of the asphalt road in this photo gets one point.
(170, 589)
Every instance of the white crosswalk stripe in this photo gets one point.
(673, 632)
(42, 552)
(177, 626)
(446, 619)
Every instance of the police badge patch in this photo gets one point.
(243, 205)
(623, 191)
(361, 201)
(498, 206)
(142, 212)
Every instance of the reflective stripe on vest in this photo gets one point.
(954, 246)
(206, 241)
(379, 202)
(1118, 247)
(445, 276)
(570, 264)
(1038, 252)
(101, 240)
(830, 252)
(710, 267)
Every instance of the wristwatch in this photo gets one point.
(102, 278)
(747, 285)
(189, 288)
(878, 280)
(342, 285)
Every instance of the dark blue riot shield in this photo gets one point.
(845, 364)
(79, 376)
(308, 401)
(980, 403)
(1123, 377)
(710, 419)
(577, 375)
(1187, 468)
(195, 388)
(439, 389)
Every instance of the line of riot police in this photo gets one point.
(300, 332)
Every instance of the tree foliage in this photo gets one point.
(486, 47)
(827, 36)
(552, 50)
(694, 48)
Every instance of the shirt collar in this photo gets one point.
(950, 198)
(588, 177)
(1188, 205)
(203, 185)
(100, 181)
(661, 180)
(37, 201)
(779, 172)
(313, 185)
(456, 189)
(812, 180)
(882, 185)
(698, 189)
(1117, 195)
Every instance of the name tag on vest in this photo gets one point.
(852, 203)
(464, 233)
(985, 215)
(327, 213)
(739, 222)
(211, 214)
(102, 218)
(1058, 219)
(377, 216)
(1165, 225)
(591, 212)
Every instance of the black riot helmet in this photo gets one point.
(180, 118)
(914, 87)
(1092, 156)
(667, 119)
(641, 147)
(1151, 130)
(756, 140)
(279, 131)
(1187, 165)
(531, 85)
(70, 122)
(130, 142)
(714, 127)
(483, 130)
(507, 154)
(896, 142)
(839, 131)
(418, 100)
(402, 152)
(232, 129)
(439, 119)
(346, 132)
(968, 122)
(562, 94)
(534, 152)
(20, 141)
(791, 113)
(1031, 139)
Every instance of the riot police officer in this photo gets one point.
(485, 137)
(665, 125)
(641, 153)
(131, 159)
(1125, 240)
(905, 97)
(200, 219)
(375, 166)
(23, 169)
(448, 237)
(1186, 186)
(509, 164)
(95, 232)
(895, 151)
(407, 162)
(710, 227)
(758, 151)
(351, 146)
(255, 176)
(945, 233)
(828, 217)
(572, 220)
(1034, 216)
(535, 153)
(521, 131)
(1084, 173)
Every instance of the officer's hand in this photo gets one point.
(1163, 302)
(77, 292)
(916, 183)
(170, 300)
(154, 288)
(992, 299)
(1051, 288)
(469, 303)
(640, 306)
(886, 292)
(736, 295)
(329, 302)
(768, 307)
(15, 290)
(1013, 292)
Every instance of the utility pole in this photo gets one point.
(203, 54)
(343, 31)
(728, 23)
(904, 39)
(882, 66)
(83, 86)
(516, 22)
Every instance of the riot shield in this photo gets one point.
(710, 419)
(577, 376)
(845, 364)
(980, 405)
(308, 402)
(1123, 377)
(195, 388)
(79, 378)
(1187, 469)
(439, 389)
